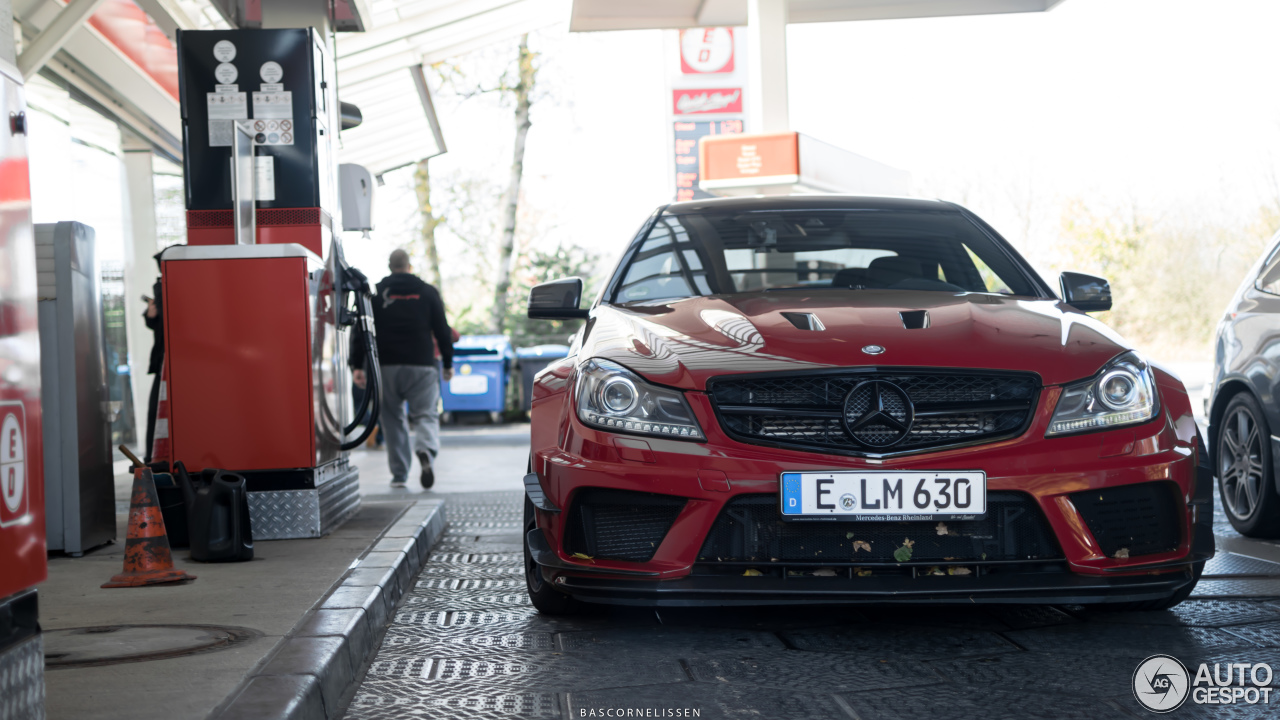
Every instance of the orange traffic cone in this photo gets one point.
(160, 445)
(147, 560)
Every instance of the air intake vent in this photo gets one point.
(915, 319)
(619, 524)
(804, 321)
(1142, 518)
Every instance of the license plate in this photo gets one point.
(884, 496)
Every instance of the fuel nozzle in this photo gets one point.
(353, 281)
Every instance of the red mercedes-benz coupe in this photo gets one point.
(845, 399)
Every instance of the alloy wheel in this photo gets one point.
(1240, 464)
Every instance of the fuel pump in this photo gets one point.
(260, 305)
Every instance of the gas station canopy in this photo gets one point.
(612, 15)
(383, 49)
(382, 69)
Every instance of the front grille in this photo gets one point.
(619, 524)
(821, 411)
(749, 530)
(1142, 518)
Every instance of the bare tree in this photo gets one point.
(429, 220)
(526, 75)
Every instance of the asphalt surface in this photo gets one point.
(465, 643)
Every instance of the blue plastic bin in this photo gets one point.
(481, 370)
(532, 360)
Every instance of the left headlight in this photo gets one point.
(1123, 393)
(611, 397)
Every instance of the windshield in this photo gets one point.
(723, 253)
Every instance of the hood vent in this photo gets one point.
(804, 321)
(915, 319)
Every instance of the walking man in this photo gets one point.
(408, 316)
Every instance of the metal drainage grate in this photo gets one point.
(409, 638)
(409, 703)
(463, 618)
(471, 584)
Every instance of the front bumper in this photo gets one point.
(712, 474)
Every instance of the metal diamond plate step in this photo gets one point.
(982, 703)
(1241, 587)
(1231, 564)
(1096, 675)
(22, 680)
(901, 641)
(786, 670)
(1194, 612)
(1127, 640)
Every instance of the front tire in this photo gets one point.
(544, 597)
(1244, 468)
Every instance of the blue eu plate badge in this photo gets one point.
(791, 494)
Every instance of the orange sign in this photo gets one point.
(749, 157)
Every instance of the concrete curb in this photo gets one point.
(319, 661)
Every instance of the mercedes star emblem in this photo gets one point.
(872, 349)
(878, 413)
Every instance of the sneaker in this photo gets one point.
(428, 475)
(398, 483)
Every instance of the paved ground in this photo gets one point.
(466, 644)
(265, 598)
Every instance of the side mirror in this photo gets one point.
(1085, 293)
(557, 300)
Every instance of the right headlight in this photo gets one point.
(611, 397)
(1123, 393)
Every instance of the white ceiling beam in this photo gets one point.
(722, 13)
(54, 36)
(814, 11)
(594, 15)
(440, 45)
(406, 28)
(169, 15)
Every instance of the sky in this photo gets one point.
(1166, 106)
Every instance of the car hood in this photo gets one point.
(683, 343)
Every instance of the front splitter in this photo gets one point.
(1032, 588)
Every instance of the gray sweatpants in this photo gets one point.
(418, 385)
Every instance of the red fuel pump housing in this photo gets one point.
(22, 538)
(256, 356)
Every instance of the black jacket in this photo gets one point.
(408, 315)
(157, 327)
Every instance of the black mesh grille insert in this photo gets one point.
(1142, 518)
(619, 524)
(817, 411)
(749, 530)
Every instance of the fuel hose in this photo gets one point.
(371, 403)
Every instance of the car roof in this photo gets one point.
(808, 202)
